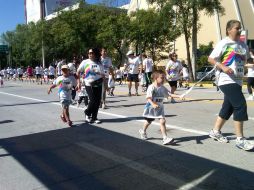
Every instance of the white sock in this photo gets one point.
(215, 131)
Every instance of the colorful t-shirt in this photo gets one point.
(232, 54)
(65, 85)
(91, 71)
(157, 94)
(173, 69)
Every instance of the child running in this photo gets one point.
(65, 83)
(154, 108)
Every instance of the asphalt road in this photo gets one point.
(38, 151)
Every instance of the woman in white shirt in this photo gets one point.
(93, 73)
(230, 55)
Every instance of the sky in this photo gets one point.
(12, 13)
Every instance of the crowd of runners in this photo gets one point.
(92, 79)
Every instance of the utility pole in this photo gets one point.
(42, 41)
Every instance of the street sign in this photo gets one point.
(4, 48)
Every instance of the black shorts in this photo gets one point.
(20, 75)
(52, 77)
(234, 103)
(133, 78)
(38, 76)
(250, 81)
(149, 120)
(172, 83)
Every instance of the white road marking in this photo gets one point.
(194, 183)
(156, 174)
(115, 115)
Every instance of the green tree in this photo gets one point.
(187, 17)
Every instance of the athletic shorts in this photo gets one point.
(250, 81)
(133, 78)
(234, 103)
(172, 83)
(65, 103)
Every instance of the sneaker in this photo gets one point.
(167, 140)
(104, 106)
(250, 98)
(244, 144)
(69, 123)
(143, 135)
(63, 118)
(88, 119)
(218, 136)
(97, 121)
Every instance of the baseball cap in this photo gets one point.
(130, 52)
(64, 67)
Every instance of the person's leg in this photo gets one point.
(129, 79)
(238, 128)
(163, 128)
(142, 132)
(166, 139)
(97, 92)
(89, 108)
(249, 86)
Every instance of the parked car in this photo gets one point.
(203, 71)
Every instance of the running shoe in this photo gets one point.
(167, 140)
(244, 144)
(97, 121)
(69, 123)
(218, 136)
(88, 119)
(143, 135)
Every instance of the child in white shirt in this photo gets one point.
(154, 108)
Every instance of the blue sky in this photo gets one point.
(12, 12)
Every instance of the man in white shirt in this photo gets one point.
(148, 69)
(107, 65)
(133, 71)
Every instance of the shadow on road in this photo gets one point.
(89, 157)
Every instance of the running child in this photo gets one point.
(65, 83)
(82, 95)
(111, 83)
(154, 108)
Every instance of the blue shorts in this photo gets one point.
(65, 103)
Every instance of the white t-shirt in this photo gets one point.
(51, 70)
(59, 67)
(157, 94)
(134, 65)
(185, 72)
(118, 74)
(232, 54)
(38, 70)
(173, 69)
(20, 71)
(148, 64)
(65, 85)
(91, 71)
(107, 63)
(251, 69)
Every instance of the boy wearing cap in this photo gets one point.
(65, 83)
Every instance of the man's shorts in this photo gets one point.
(172, 83)
(52, 77)
(65, 103)
(38, 76)
(133, 78)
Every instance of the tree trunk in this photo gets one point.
(188, 53)
(194, 40)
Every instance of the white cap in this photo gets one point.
(130, 52)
